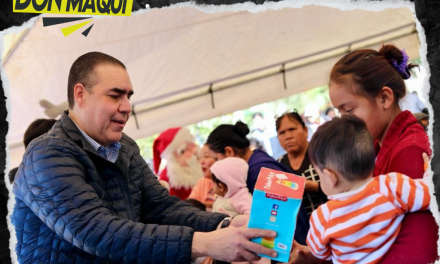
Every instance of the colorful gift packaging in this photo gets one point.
(275, 204)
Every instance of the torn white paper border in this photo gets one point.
(253, 8)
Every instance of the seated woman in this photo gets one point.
(292, 135)
(230, 141)
(203, 190)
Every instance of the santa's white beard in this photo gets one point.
(185, 177)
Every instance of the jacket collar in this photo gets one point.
(73, 133)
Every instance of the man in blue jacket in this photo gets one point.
(85, 195)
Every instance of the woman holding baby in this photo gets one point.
(369, 84)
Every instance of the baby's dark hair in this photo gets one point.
(216, 181)
(196, 204)
(344, 145)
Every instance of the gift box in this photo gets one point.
(275, 205)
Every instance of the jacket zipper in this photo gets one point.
(127, 203)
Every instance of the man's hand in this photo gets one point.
(240, 221)
(231, 244)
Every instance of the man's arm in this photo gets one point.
(164, 209)
(52, 184)
(232, 243)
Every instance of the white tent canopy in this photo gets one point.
(174, 55)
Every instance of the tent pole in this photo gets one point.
(283, 69)
(199, 86)
(212, 96)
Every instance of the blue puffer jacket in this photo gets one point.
(72, 206)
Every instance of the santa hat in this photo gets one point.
(168, 141)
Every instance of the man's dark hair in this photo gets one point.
(82, 71)
(36, 129)
(344, 145)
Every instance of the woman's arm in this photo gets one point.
(408, 161)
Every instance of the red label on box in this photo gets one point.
(280, 185)
(276, 197)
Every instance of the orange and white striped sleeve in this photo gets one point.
(316, 240)
(409, 194)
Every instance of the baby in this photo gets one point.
(363, 216)
(233, 198)
(229, 177)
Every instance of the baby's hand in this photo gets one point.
(301, 255)
(426, 161)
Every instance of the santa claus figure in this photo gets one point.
(183, 170)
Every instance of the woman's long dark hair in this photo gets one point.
(233, 136)
(367, 71)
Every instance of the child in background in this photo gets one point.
(229, 177)
(203, 190)
(363, 216)
(233, 197)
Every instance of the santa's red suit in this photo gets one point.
(176, 146)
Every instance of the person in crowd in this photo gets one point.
(256, 144)
(412, 103)
(183, 171)
(364, 214)
(313, 118)
(229, 178)
(329, 113)
(233, 197)
(84, 194)
(259, 136)
(230, 141)
(203, 190)
(292, 135)
(368, 84)
(34, 130)
(423, 120)
(5, 254)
